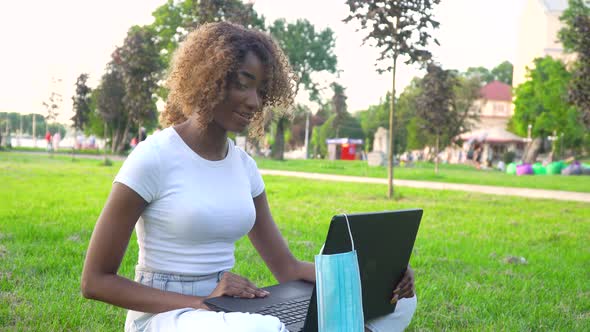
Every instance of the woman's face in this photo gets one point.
(244, 96)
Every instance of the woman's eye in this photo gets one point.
(241, 86)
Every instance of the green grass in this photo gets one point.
(425, 172)
(49, 207)
(92, 152)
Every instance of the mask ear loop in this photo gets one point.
(349, 232)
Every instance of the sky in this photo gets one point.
(46, 45)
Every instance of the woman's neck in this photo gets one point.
(209, 142)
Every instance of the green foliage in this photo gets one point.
(106, 162)
(14, 120)
(482, 73)
(502, 72)
(81, 102)
(570, 35)
(508, 157)
(350, 127)
(435, 105)
(398, 28)
(309, 51)
(141, 68)
(374, 117)
(542, 102)
(110, 107)
(575, 36)
(174, 19)
(339, 107)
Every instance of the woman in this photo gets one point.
(191, 193)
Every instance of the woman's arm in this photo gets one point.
(270, 244)
(106, 250)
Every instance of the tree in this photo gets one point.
(466, 92)
(308, 52)
(481, 73)
(52, 105)
(503, 72)
(81, 103)
(575, 36)
(378, 116)
(435, 104)
(110, 106)
(542, 102)
(339, 106)
(141, 68)
(399, 28)
(234, 11)
(174, 20)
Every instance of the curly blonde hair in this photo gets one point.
(203, 64)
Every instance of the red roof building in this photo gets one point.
(497, 91)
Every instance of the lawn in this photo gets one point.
(466, 278)
(425, 172)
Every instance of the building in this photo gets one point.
(344, 148)
(538, 35)
(495, 107)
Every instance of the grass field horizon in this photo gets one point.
(423, 171)
(469, 275)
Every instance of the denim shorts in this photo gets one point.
(193, 285)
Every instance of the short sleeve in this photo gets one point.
(140, 171)
(256, 182)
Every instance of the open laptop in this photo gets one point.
(384, 242)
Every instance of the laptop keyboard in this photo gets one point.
(289, 312)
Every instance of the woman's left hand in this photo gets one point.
(405, 288)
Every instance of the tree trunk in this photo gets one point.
(105, 142)
(278, 147)
(391, 141)
(532, 151)
(436, 154)
(121, 146)
(115, 138)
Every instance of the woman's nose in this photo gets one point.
(253, 100)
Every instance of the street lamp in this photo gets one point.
(528, 139)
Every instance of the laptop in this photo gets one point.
(383, 241)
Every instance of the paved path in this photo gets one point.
(493, 190)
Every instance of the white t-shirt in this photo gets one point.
(197, 209)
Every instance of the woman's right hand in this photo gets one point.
(234, 285)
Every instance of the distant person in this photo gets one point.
(92, 142)
(56, 140)
(191, 193)
(48, 140)
(79, 141)
(142, 134)
(133, 142)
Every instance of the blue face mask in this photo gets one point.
(338, 289)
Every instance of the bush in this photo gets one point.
(508, 157)
(106, 162)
